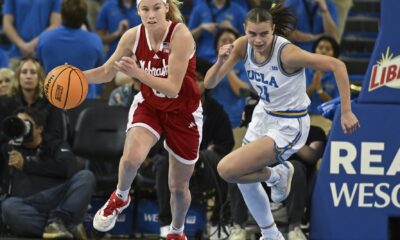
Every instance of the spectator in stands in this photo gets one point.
(49, 195)
(113, 19)
(127, 88)
(318, 17)
(24, 21)
(3, 59)
(343, 7)
(69, 43)
(304, 163)
(7, 105)
(321, 86)
(7, 81)
(217, 142)
(93, 11)
(29, 93)
(248, 4)
(207, 17)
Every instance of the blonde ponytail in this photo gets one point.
(174, 14)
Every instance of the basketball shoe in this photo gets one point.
(105, 218)
(173, 236)
(280, 189)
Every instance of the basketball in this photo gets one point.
(65, 86)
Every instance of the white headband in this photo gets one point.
(138, 2)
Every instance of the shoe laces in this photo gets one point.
(110, 208)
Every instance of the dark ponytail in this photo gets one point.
(281, 16)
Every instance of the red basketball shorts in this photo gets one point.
(183, 130)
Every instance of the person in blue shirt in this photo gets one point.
(24, 21)
(321, 86)
(318, 17)
(210, 15)
(69, 43)
(114, 18)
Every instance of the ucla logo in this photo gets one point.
(260, 78)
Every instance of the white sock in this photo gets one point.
(122, 194)
(257, 202)
(175, 230)
(273, 178)
(271, 231)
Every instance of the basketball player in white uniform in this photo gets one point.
(280, 122)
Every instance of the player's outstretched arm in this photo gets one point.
(294, 58)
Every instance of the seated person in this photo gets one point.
(217, 141)
(48, 195)
(126, 90)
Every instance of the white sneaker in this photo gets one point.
(278, 236)
(281, 188)
(237, 233)
(296, 234)
(164, 230)
(105, 218)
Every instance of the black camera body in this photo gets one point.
(21, 131)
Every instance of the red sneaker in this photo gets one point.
(105, 218)
(173, 236)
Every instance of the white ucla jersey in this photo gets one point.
(278, 90)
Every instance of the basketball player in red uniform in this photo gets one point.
(160, 53)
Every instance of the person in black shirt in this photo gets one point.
(48, 195)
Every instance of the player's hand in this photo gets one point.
(16, 160)
(349, 122)
(129, 66)
(224, 52)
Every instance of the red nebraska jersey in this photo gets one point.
(155, 62)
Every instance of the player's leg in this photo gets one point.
(178, 182)
(143, 132)
(183, 136)
(138, 142)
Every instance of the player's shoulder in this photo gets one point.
(181, 32)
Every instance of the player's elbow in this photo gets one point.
(337, 65)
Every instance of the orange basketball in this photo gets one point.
(65, 86)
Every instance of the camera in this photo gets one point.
(21, 131)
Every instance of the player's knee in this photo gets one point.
(226, 173)
(130, 162)
(178, 188)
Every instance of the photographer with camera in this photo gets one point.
(48, 195)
